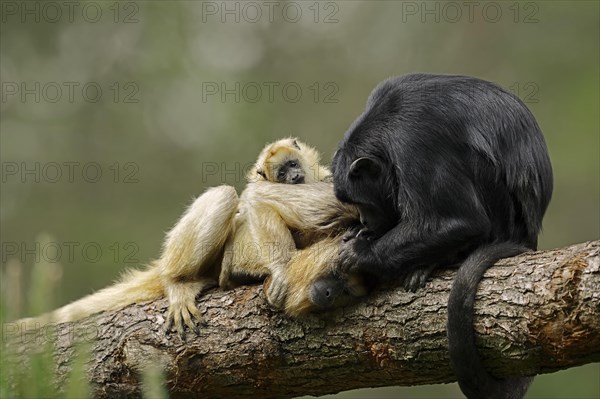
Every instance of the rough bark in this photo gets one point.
(535, 313)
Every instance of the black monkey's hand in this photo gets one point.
(355, 252)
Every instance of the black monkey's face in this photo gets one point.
(373, 220)
(290, 172)
(362, 182)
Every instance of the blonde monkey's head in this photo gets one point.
(289, 161)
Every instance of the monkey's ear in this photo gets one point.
(262, 173)
(295, 144)
(363, 167)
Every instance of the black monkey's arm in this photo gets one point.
(448, 219)
(405, 247)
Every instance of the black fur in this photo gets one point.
(444, 169)
(473, 379)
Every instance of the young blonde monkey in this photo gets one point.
(193, 250)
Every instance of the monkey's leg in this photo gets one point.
(243, 261)
(241, 256)
(192, 251)
(227, 264)
(262, 244)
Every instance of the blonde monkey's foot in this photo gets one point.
(182, 310)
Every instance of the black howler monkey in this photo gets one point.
(444, 169)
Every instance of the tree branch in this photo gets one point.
(535, 313)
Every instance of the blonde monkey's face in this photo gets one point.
(282, 162)
(288, 161)
(288, 172)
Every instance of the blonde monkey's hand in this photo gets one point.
(276, 287)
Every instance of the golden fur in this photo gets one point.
(309, 265)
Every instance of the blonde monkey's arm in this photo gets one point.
(311, 209)
(192, 251)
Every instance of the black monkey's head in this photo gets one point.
(358, 181)
(364, 174)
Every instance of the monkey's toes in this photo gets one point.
(413, 282)
(417, 278)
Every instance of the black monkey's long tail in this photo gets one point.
(473, 379)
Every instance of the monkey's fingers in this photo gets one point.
(177, 324)
(277, 290)
(346, 261)
(351, 234)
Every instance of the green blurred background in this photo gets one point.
(115, 115)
